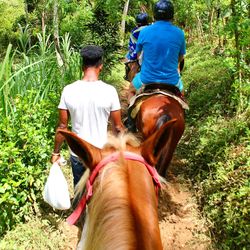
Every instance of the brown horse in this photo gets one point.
(157, 109)
(122, 213)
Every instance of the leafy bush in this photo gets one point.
(25, 146)
(210, 76)
(216, 146)
(8, 15)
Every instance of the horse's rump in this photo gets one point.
(154, 112)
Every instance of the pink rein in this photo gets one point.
(72, 219)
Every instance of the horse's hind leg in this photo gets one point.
(165, 159)
(168, 151)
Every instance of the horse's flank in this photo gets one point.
(123, 210)
(156, 111)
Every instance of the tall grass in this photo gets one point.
(5, 75)
(39, 70)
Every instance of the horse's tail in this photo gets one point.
(162, 119)
(168, 149)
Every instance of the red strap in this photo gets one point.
(72, 219)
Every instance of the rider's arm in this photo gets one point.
(59, 138)
(138, 55)
(117, 125)
(131, 92)
(181, 57)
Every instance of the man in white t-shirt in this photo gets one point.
(89, 103)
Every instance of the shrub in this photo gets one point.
(207, 82)
(216, 146)
(25, 145)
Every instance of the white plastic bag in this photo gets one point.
(56, 191)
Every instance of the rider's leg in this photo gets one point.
(131, 92)
(133, 88)
(130, 122)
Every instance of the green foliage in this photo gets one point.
(211, 140)
(97, 27)
(9, 12)
(217, 87)
(106, 34)
(227, 204)
(76, 24)
(5, 73)
(217, 147)
(116, 78)
(41, 70)
(24, 39)
(25, 146)
(36, 234)
(208, 75)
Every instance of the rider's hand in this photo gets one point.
(55, 157)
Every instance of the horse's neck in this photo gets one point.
(123, 211)
(144, 208)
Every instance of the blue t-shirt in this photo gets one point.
(162, 43)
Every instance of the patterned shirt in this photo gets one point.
(132, 55)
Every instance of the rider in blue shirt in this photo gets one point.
(163, 46)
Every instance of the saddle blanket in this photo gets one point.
(143, 96)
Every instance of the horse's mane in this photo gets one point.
(111, 188)
(121, 141)
(118, 143)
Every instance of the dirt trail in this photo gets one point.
(181, 225)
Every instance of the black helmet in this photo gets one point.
(142, 18)
(164, 10)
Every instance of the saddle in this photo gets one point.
(153, 89)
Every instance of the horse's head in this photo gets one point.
(132, 68)
(123, 209)
(91, 155)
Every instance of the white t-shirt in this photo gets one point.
(89, 105)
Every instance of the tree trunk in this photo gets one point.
(27, 22)
(211, 24)
(218, 27)
(56, 34)
(236, 33)
(123, 22)
(238, 48)
(200, 29)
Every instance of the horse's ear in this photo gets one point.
(151, 148)
(90, 154)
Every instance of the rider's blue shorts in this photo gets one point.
(137, 83)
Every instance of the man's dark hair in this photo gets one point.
(142, 19)
(91, 56)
